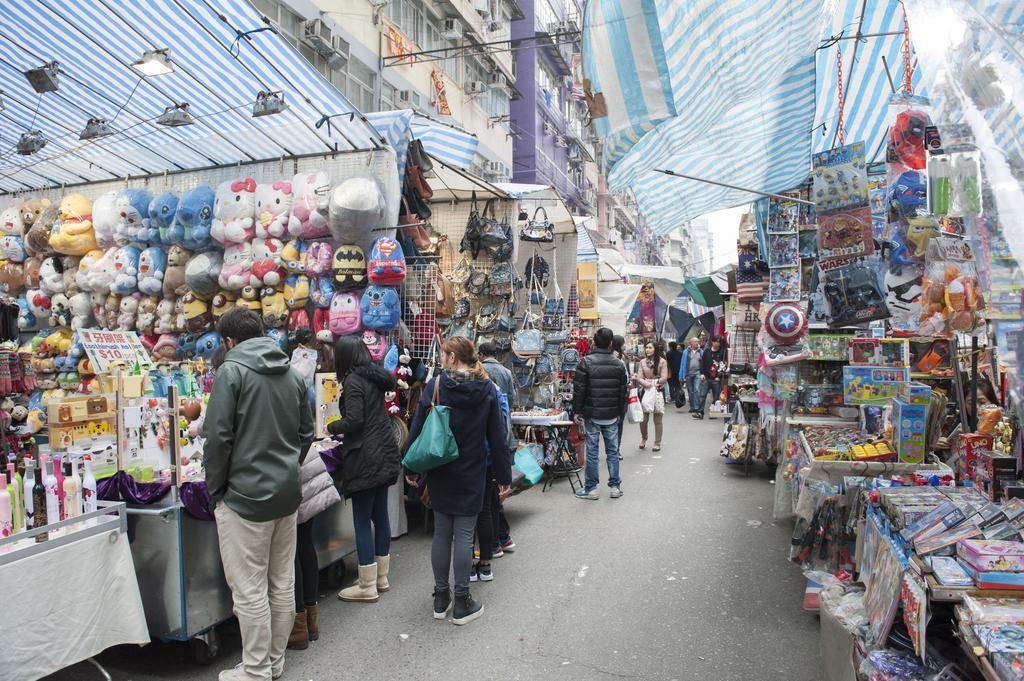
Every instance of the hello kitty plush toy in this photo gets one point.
(81, 311)
(51, 275)
(132, 217)
(38, 304)
(193, 220)
(236, 272)
(308, 218)
(152, 265)
(126, 271)
(161, 218)
(266, 262)
(234, 212)
(164, 316)
(273, 209)
(101, 276)
(105, 218)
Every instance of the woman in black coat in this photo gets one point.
(456, 489)
(371, 462)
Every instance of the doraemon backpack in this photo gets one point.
(381, 308)
(386, 266)
(345, 314)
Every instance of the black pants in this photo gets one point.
(307, 569)
(674, 391)
(487, 521)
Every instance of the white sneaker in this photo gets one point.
(615, 493)
(237, 673)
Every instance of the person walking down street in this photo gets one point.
(600, 388)
(652, 376)
(674, 356)
(689, 374)
(492, 529)
(457, 489)
(619, 351)
(371, 463)
(712, 370)
(258, 430)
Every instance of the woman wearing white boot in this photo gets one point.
(370, 465)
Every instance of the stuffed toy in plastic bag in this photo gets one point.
(81, 311)
(349, 268)
(273, 209)
(101, 275)
(51, 275)
(207, 344)
(381, 308)
(165, 316)
(152, 266)
(85, 265)
(321, 291)
(105, 218)
(10, 220)
(12, 248)
(274, 306)
(12, 241)
(267, 269)
(318, 258)
(308, 219)
(236, 271)
(145, 318)
(357, 207)
(127, 312)
(38, 216)
(293, 257)
(162, 210)
(126, 271)
(72, 233)
(345, 314)
(296, 294)
(174, 276)
(198, 317)
(202, 272)
(234, 211)
(12, 278)
(386, 266)
(193, 219)
(132, 226)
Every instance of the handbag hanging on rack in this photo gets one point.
(538, 230)
(471, 239)
(554, 306)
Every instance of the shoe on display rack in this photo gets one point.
(616, 492)
(442, 604)
(465, 610)
(591, 495)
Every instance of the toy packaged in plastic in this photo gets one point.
(852, 291)
(903, 284)
(952, 296)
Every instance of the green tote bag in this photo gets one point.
(435, 445)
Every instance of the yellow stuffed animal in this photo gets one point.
(73, 233)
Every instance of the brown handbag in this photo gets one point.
(414, 175)
(413, 228)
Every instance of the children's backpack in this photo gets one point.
(349, 268)
(321, 291)
(386, 266)
(501, 279)
(319, 255)
(568, 360)
(345, 316)
(376, 344)
(381, 308)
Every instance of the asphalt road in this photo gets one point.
(685, 577)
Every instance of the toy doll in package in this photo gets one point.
(852, 291)
(952, 296)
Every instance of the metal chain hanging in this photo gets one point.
(840, 124)
(908, 67)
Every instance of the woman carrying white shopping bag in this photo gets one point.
(652, 377)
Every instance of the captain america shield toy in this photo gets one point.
(786, 323)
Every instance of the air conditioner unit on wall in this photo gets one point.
(476, 87)
(452, 29)
(341, 46)
(549, 129)
(318, 35)
(482, 6)
(498, 81)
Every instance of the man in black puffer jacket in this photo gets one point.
(599, 395)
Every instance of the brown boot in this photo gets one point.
(311, 625)
(299, 638)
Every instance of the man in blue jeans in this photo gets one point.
(690, 376)
(600, 388)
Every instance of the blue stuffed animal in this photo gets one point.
(186, 346)
(207, 344)
(380, 308)
(132, 226)
(161, 218)
(126, 271)
(279, 336)
(152, 266)
(192, 221)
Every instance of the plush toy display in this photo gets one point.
(104, 219)
(375, 343)
(391, 403)
(356, 208)
(193, 219)
(111, 308)
(73, 233)
(403, 372)
(126, 271)
(38, 216)
(60, 310)
(387, 262)
(197, 313)
(266, 262)
(349, 267)
(202, 273)
(308, 219)
(165, 316)
(70, 265)
(12, 278)
(296, 294)
(174, 277)
(145, 319)
(51, 275)
(127, 312)
(249, 297)
(85, 265)
(236, 270)
(166, 348)
(186, 346)
(207, 344)
(273, 209)
(12, 248)
(27, 320)
(221, 303)
(293, 257)
(234, 212)
(380, 308)
(274, 307)
(132, 217)
(101, 276)
(10, 220)
(345, 315)
(152, 265)
(161, 217)
(319, 255)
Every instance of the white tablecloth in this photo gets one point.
(69, 604)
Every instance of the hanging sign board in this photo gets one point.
(586, 289)
(106, 348)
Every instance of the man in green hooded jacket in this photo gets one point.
(258, 429)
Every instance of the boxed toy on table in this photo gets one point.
(969, 445)
(872, 385)
(992, 472)
(887, 352)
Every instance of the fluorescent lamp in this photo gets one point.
(175, 116)
(96, 127)
(154, 63)
(31, 142)
(44, 78)
(268, 104)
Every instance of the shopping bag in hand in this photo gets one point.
(634, 411)
(525, 462)
(649, 401)
(435, 445)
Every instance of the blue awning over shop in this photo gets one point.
(218, 69)
(450, 145)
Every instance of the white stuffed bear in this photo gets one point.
(10, 220)
(234, 212)
(127, 313)
(51, 275)
(105, 218)
(81, 310)
(273, 209)
(236, 271)
(101, 277)
(164, 316)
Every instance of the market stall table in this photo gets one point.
(562, 459)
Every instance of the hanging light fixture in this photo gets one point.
(44, 78)
(31, 142)
(96, 127)
(175, 116)
(268, 104)
(154, 63)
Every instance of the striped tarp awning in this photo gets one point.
(453, 146)
(218, 72)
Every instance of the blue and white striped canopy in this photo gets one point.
(217, 72)
(451, 145)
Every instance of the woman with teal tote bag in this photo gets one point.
(456, 488)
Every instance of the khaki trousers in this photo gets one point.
(259, 565)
